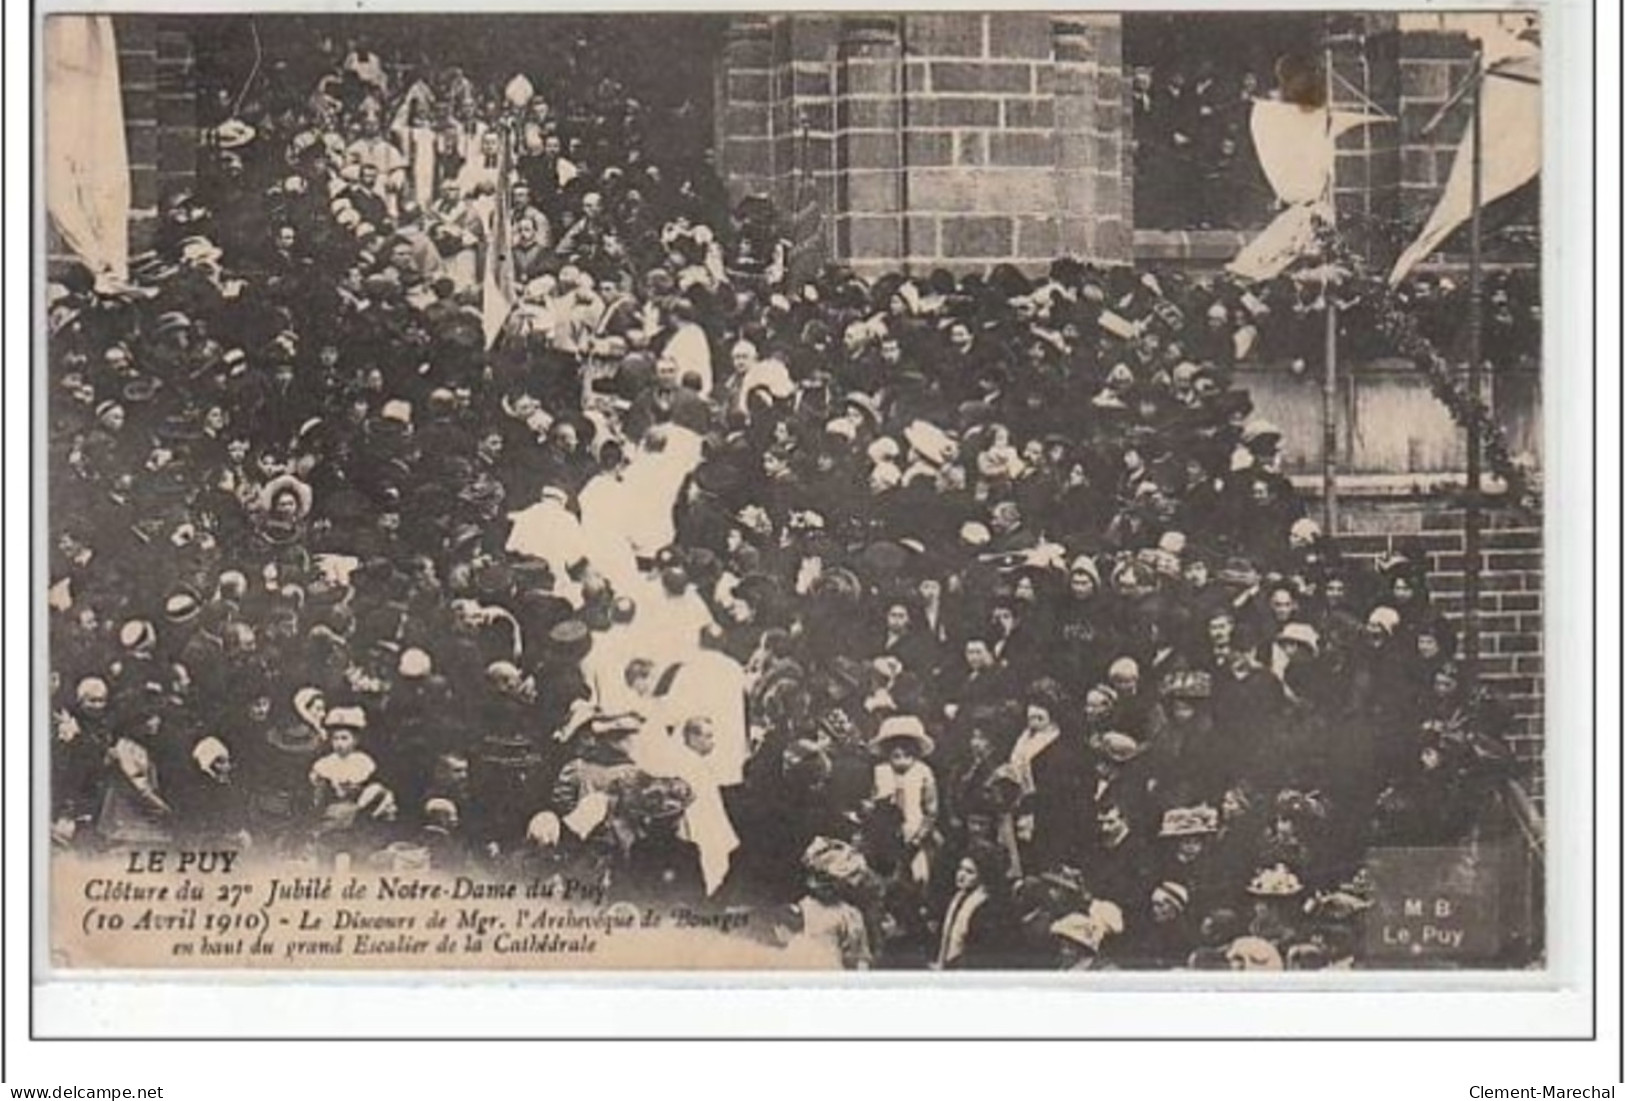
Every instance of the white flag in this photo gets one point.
(1297, 149)
(87, 169)
(1281, 242)
(1297, 146)
(1511, 107)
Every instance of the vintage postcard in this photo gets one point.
(794, 491)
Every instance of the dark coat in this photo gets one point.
(663, 869)
(1062, 804)
(991, 938)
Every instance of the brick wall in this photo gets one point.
(1020, 138)
(1510, 599)
(137, 37)
(176, 109)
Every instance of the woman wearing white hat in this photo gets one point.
(210, 808)
(1079, 936)
(340, 776)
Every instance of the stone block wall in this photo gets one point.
(1094, 124)
(981, 158)
(177, 122)
(957, 140)
(1432, 65)
(804, 123)
(744, 105)
(776, 125)
(868, 106)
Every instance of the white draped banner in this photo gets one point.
(1512, 148)
(87, 167)
(1297, 149)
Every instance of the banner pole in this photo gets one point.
(1328, 394)
(1473, 518)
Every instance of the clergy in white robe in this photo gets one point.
(654, 477)
(691, 349)
(711, 685)
(706, 822)
(414, 132)
(459, 232)
(604, 669)
(481, 175)
(378, 151)
(685, 749)
(550, 531)
(610, 510)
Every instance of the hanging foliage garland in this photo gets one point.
(1399, 328)
(1397, 325)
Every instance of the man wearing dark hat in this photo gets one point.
(662, 868)
(560, 685)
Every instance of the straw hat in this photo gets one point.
(904, 728)
(1278, 881)
(287, 483)
(1189, 821)
(233, 134)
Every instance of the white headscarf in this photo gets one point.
(303, 701)
(208, 752)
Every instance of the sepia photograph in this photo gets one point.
(794, 491)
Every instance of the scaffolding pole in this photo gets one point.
(1328, 392)
(1473, 518)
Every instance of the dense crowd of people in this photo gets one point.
(938, 622)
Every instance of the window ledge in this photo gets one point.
(1189, 244)
(1396, 485)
